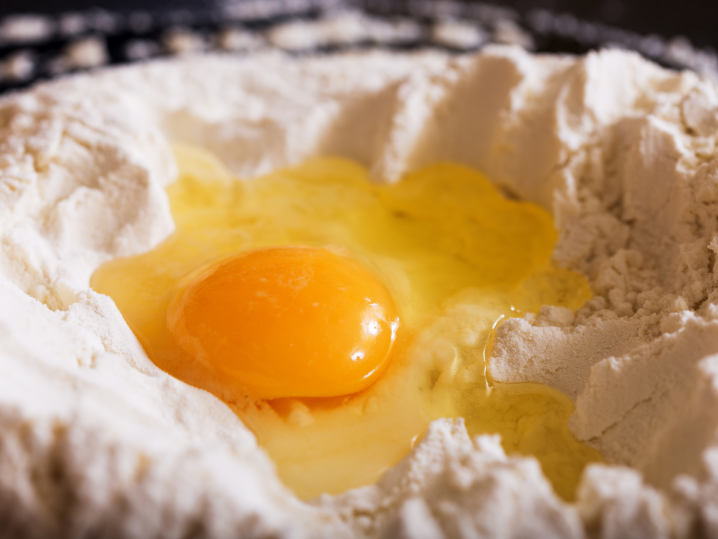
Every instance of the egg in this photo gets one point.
(338, 317)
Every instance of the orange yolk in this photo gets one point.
(287, 322)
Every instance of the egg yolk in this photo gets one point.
(244, 300)
(287, 322)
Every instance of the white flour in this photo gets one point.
(96, 439)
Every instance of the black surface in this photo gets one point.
(696, 19)
(58, 6)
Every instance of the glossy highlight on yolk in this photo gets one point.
(287, 322)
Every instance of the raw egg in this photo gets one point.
(338, 317)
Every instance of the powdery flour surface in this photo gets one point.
(95, 439)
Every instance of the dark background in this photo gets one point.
(696, 19)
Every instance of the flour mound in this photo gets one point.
(95, 439)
